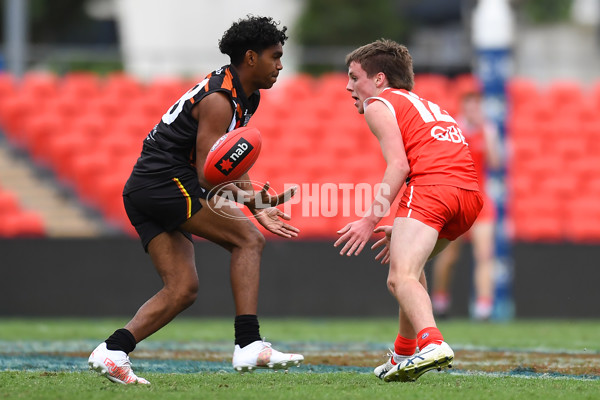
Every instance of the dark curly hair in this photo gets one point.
(253, 33)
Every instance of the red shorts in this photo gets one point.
(448, 209)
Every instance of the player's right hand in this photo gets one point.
(263, 199)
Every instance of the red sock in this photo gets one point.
(428, 336)
(404, 346)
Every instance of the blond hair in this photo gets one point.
(389, 57)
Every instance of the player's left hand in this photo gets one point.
(355, 235)
(272, 220)
(384, 254)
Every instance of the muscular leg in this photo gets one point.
(232, 230)
(412, 244)
(173, 256)
(443, 266)
(406, 329)
(482, 237)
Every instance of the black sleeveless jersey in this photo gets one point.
(171, 144)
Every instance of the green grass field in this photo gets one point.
(45, 359)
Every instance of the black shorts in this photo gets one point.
(163, 205)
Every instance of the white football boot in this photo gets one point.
(434, 356)
(260, 354)
(114, 365)
(387, 366)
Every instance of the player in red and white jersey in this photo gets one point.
(483, 140)
(424, 146)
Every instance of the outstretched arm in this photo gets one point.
(384, 126)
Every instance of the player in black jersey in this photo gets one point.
(167, 199)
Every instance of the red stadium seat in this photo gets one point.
(299, 138)
(582, 219)
(569, 145)
(9, 207)
(541, 110)
(63, 150)
(332, 88)
(80, 84)
(168, 89)
(271, 128)
(152, 108)
(296, 88)
(436, 95)
(522, 91)
(42, 85)
(339, 139)
(595, 94)
(89, 126)
(520, 184)
(564, 93)
(116, 148)
(107, 106)
(544, 165)
(8, 85)
(32, 225)
(431, 82)
(591, 130)
(563, 184)
(536, 204)
(276, 104)
(522, 125)
(591, 187)
(23, 224)
(87, 169)
(110, 196)
(14, 112)
(544, 228)
(585, 167)
(39, 130)
(9, 204)
(524, 147)
(537, 217)
(66, 106)
(466, 83)
(134, 126)
(123, 87)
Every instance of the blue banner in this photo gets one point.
(494, 68)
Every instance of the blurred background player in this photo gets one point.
(167, 200)
(422, 145)
(483, 139)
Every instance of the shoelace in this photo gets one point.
(390, 354)
(126, 363)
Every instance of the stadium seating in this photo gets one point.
(16, 221)
(89, 129)
(552, 135)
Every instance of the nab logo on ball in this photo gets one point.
(234, 156)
